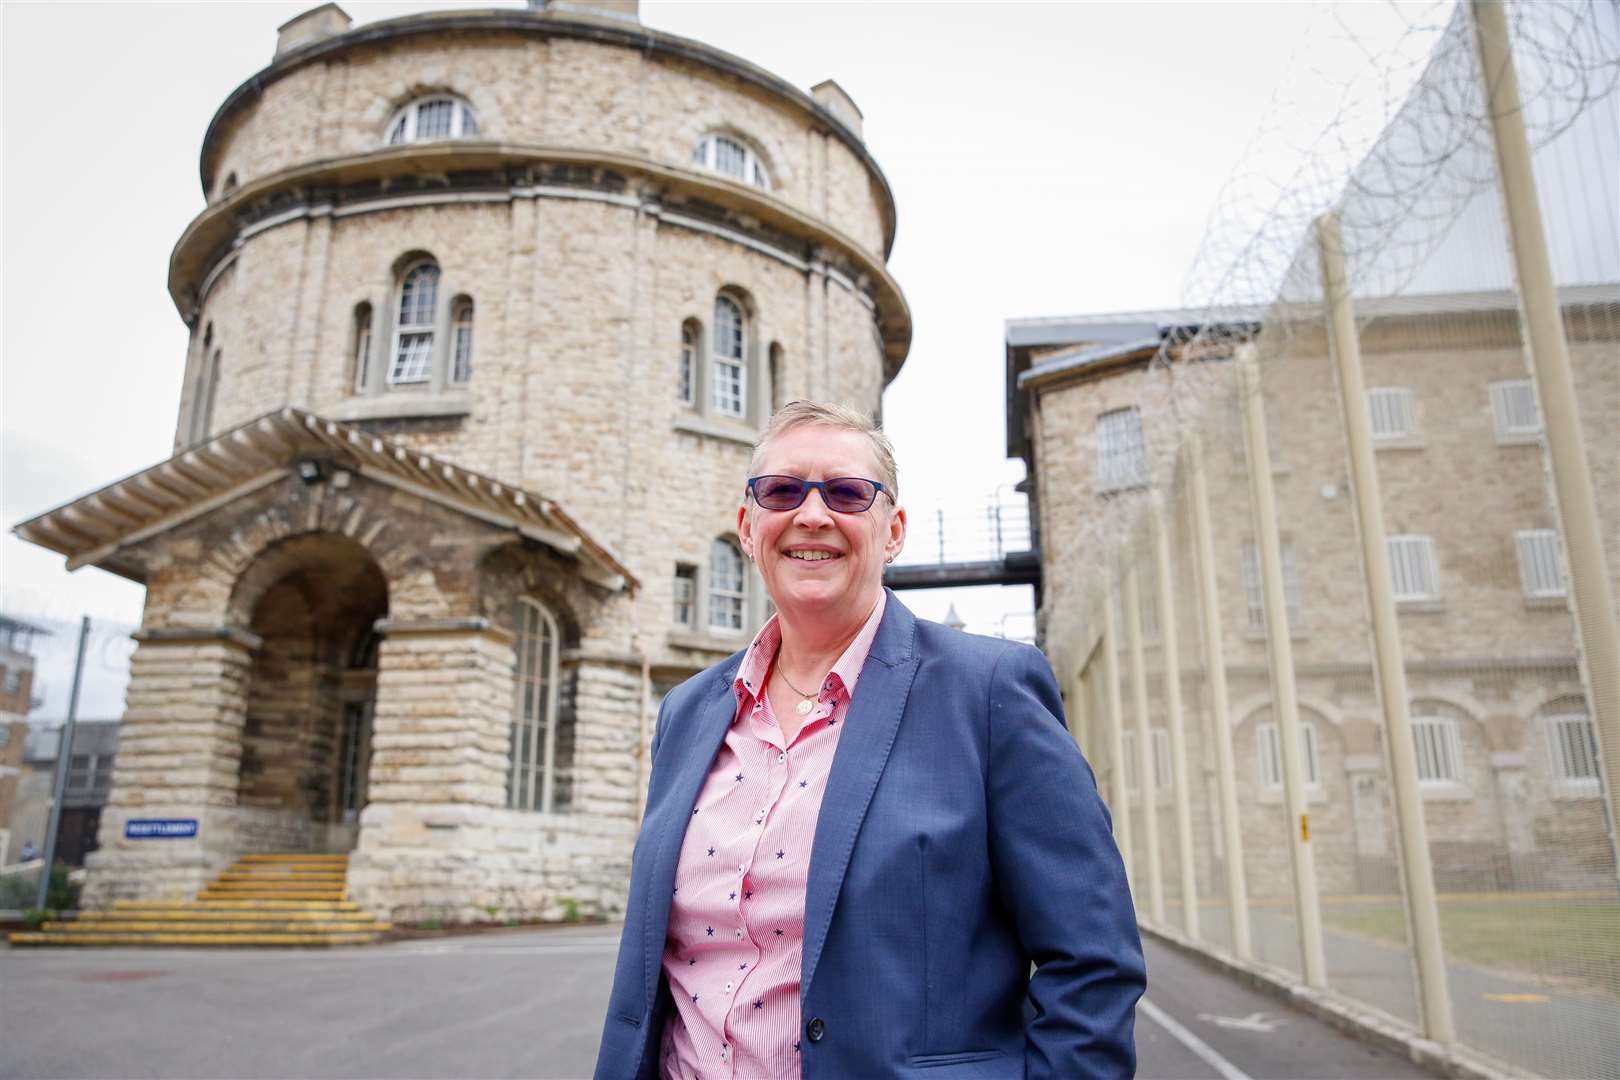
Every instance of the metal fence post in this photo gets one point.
(1280, 648)
(1237, 891)
(1120, 802)
(1548, 354)
(1144, 743)
(1173, 711)
(1417, 875)
(64, 751)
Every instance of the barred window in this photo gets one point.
(1163, 774)
(1412, 568)
(685, 594)
(1121, 454)
(1572, 739)
(533, 776)
(1541, 564)
(733, 157)
(1513, 407)
(1439, 750)
(726, 587)
(413, 330)
(1254, 587)
(1269, 744)
(437, 117)
(362, 345)
(729, 367)
(461, 333)
(686, 373)
(1389, 409)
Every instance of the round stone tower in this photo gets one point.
(486, 308)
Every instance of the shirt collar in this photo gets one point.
(756, 663)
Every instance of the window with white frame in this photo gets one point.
(685, 613)
(1513, 407)
(1439, 749)
(686, 372)
(1572, 741)
(727, 587)
(1163, 774)
(1254, 587)
(729, 368)
(1121, 453)
(1541, 564)
(438, 117)
(413, 329)
(1412, 568)
(1268, 743)
(732, 157)
(1389, 411)
(532, 779)
(461, 338)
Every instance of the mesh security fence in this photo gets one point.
(1344, 654)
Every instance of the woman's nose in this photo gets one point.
(813, 511)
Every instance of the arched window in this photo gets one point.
(727, 587)
(687, 372)
(729, 369)
(413, 329)
(461, 337)
(533, 777)
(438, 117)
(362, 344)
(204, 390)
(734, 158)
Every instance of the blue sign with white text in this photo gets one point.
(160, 828)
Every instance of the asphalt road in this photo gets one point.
(521, 1003)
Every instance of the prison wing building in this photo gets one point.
(486, 308)
(1097, 408)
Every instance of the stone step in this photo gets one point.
(236, 904)
(271, 894)
(198, 913)
(202, 939)
(271, 857)
(270, 885)
(278, 876)
(271, 925)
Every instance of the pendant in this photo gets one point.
(803, 708)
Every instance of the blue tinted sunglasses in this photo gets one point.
(845, 494)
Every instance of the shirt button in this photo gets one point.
(739, 934)
(781, 758)
(728, 987)
(742, 868)
(816, 1028)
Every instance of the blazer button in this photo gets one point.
(815, 1029)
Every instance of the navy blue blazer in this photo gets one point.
(960, 841)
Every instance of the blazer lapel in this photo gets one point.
(863, 751)
(696, 748)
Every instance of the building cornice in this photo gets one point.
(543, 24)
(462, 171)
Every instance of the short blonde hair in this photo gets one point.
(825, 414)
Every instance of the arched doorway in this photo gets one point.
(313, 601)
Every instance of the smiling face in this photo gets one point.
(822, 569)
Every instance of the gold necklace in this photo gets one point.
(807, 701)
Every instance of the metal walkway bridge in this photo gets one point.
(987, 544)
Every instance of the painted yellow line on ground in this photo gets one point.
(1519, 999)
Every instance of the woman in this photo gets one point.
(862, 830)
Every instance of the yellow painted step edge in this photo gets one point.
(239, 926)
(27, 938)
(234, 903)
(206, 915)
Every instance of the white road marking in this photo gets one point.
(1198, 1046)
(1253, 1022)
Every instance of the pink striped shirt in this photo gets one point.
(736, 922)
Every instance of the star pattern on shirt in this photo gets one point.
(780, 853)
(709, 932)
(739, 778)
(733, 896)
(777, 931)
(759, 1004)
(804, 783)
(711, 851)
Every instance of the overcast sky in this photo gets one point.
(1046, 159)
